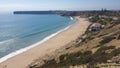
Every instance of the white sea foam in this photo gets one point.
(29, 47)
(7, 41)
(71, 18)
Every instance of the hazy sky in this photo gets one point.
(11, 5)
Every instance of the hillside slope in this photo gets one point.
(99, 49)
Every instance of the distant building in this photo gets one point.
(95, 27)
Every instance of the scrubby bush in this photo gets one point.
(95, 19)
(50, 64)
(62, 57)
(106, 40)
(115, 52)
(100, 55)
(102, 22)
(79, 58)
(118, 37)
(86, 57)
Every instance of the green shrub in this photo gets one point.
(97, 46)
(102, 22)
(86, 57)
(49, 64)
(118, 37)
(106, 40)
(115, 52)
(95, 19)
(100, 55)
(62, 57)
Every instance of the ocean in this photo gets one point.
(19, 33)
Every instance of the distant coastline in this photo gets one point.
(66, 13)
(33, 12)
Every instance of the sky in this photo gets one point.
(13, 5)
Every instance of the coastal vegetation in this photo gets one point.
(94, 49)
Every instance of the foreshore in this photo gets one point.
(48, 47)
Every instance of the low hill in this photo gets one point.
(94, 49)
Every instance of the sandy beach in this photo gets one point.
(49, 47)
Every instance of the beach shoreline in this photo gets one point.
(24, 59)
(17, 52)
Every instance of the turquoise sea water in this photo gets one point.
(20, 31)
